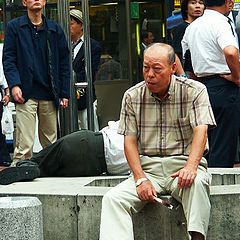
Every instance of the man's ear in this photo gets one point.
(174, 68)
(24, 3)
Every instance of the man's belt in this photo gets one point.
(206, 78)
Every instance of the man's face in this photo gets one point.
(76, 29)
(157, 71)
(195, 8)
(34, 5)
(150, 38)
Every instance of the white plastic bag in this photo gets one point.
(7, 121)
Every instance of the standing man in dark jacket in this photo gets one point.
(76, 30)
(36, 66)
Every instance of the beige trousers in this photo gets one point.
(26, 125)
(120, 202)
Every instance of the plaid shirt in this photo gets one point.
(165, 128)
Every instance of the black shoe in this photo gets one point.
(18, 174)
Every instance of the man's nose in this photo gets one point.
(151, 72)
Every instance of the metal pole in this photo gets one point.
(88, 63)
(68, 117)
(128, 27)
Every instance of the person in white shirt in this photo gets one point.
(215, 60)
(79, 154)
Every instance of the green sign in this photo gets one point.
(134, 10)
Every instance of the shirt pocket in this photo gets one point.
(183, 129)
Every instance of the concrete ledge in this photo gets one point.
(225, 176)
(72, 207)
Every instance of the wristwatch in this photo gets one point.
(140, 181)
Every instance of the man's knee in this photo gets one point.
(110, 196)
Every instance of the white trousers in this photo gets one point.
(120, 202)
(26, 125)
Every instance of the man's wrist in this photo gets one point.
(140, 181)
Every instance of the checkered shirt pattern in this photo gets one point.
(165, 128)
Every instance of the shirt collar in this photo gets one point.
(215, 14)
(50, 25)
(171, 90)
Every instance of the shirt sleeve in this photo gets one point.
(225, 36)
(127, 123)
(201, 111)
(184, 43)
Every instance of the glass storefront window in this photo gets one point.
(106, 18)
(117, 26)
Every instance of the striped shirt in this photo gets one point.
(165, 128)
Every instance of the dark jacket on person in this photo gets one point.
(79, 69)
(18, 60)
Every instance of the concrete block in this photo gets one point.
(21, 218)
(225, 176)
(89, 203)
(59, 217)
(157, 222)
(224, 221)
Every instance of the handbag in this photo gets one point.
(7, 121)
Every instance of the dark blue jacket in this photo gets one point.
(79, 69)
(18, 61)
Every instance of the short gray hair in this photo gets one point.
(171, 53)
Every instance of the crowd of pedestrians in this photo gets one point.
(214, 49)
(206, 42)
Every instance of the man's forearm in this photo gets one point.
(198, 145)
(132, 155)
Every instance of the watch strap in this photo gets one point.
(140, 181)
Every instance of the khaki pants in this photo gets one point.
(25, 126)
(120, 202)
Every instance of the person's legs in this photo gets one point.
(118, 205)
(4, 154)
(47, 125)
(95, 117)
(49, 159)
(223, 140)
(83, 154)
(77, 154)
(25, 130)
(46, 163)
(195, 202)
(121, 202)
(17, 174)
(83, 118)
